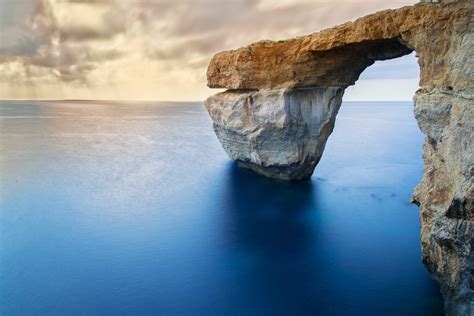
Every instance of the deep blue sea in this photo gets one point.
(134, 208)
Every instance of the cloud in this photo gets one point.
(84, 20)
(150, 49)
(405, 67)
(26, 26)
(382, 89)
(47, 37)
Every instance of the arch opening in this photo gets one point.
(283, 97)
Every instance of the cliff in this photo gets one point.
(283, 98)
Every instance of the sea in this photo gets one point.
(133, 208)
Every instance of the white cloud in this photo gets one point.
(151, 49)
(382, 89)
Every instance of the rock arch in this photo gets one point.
(283, 98)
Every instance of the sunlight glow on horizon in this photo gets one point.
(159, 50)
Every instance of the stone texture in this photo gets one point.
(337, 56)
(446, 196)
(279, 133)
(283, 99)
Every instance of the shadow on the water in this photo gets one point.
(269, 215)
(271, 232)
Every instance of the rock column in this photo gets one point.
(283, 97)
(280, 133)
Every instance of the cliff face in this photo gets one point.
(337, 56)
(280, 133)
(446, 196)
(283, 97)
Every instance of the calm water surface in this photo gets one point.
(134, 208)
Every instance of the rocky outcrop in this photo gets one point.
(446, 196)
(283, 97)
(279, 133)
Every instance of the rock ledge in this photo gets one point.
(283, 98)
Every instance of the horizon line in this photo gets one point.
(156, 100)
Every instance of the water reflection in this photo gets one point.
(269, 244)
(267, 215)
(135, 209)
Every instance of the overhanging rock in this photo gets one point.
(283, 98)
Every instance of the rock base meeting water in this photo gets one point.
(282, 136)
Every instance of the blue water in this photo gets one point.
(134, 208)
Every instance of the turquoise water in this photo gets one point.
(134, 208)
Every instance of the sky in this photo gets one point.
(160, 49)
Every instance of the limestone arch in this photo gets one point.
(282, 99)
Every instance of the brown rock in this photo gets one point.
(337, 56)
(284, 97)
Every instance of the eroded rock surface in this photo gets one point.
(283, 97)
(446, 196)
(279, 133)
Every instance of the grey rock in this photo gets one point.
(284, 97)
(279, 133)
